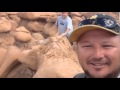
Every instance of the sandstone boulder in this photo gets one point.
(5, 25)
(22, 34)
(10, 59)
(50, 29)
(57, 59)
(20, 71)
(2, 54)
(37, 36)
(35, 26)
(35, 15)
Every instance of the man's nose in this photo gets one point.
(98, 53)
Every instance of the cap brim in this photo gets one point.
(80, 30)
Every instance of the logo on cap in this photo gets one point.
(108, 22)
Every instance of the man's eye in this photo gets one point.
(107, 46)
(87, 46)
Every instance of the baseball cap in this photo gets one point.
(98, 21)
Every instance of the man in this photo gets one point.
(98, 45)
(64, 24)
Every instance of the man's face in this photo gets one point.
(64, 14)
(99, 53)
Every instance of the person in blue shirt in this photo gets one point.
(64, 24)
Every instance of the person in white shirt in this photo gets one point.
(64, 24)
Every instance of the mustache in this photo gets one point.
(100, 61)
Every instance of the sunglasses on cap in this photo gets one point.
(102, 20)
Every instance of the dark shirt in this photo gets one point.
(83, 75)
(80, 75)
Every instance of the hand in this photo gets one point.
(63, 34)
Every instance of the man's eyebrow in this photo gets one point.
(106, 42)
(83, 41)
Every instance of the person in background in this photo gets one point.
(64, 25)
(98, 47)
